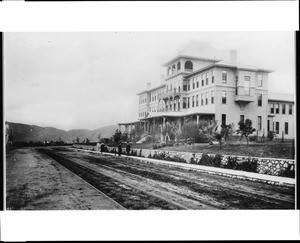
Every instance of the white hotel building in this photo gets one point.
(211, 89)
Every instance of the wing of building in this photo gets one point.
(211, 89)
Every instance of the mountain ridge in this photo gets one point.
(25, 133)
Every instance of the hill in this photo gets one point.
(25, 132)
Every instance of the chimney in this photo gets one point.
(148, 86)
(233, 56)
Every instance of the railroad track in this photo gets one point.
(126, 196)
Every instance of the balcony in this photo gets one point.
(168, 94)
(244, 98)
(244, 94)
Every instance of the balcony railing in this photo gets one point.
(173, 93)
(244, 98)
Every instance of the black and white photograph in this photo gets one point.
(122, 120)
(154, 123)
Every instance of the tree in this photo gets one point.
(99, 137)
(223, 132)
(189, 130)
(117, 136)
(169, 131)
(245, 129)
(87, 140)
(77, 140)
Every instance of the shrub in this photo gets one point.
(163, 144)
(217, 160)
(270, 135)
(288, 172)
(249, 165)
(133, 152)
(206, 160)
(231, 163)
(202, 138)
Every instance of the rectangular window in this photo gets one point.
(268, 125)
(259, 80)
(259, 100)
(201, 99)
(242, 118)
(223, 119)
(193, 101)
(202, 83)
(184, 103)
(223, 97)
(277, 127)
(277, 108)
(286, 128)
(290, 109)
(188, 103)
(272, 108)
(246, 86)
(247, 78)
(197, 100)
(206, 78)
(212, 76)
(198, 80)
(283, 108)
(259, 123)
(224, 76)
(188, 86)
(236, 85)
(212, 97)
(184, 88)
(206, 98)
(193, 83)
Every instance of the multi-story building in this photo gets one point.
(210, 89)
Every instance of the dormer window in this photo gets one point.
(169, 71)
(173, 69)
(178, 66)
(188, 66)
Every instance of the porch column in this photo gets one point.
(154, 128)
(197, 119)
(164, 121)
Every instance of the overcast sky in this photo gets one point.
(90, 80)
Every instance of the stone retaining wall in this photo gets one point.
(269, 166)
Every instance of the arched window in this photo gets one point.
(188, 65)
(169, 70)
(173, 68)
(178, 66)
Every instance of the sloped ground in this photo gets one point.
(267, 150)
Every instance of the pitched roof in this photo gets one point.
(281, 97)
(190, 57)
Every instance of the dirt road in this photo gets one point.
(152, 186)
(134, 184)
(36, 182)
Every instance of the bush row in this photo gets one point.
(249, 164)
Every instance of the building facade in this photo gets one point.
(213, 90)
